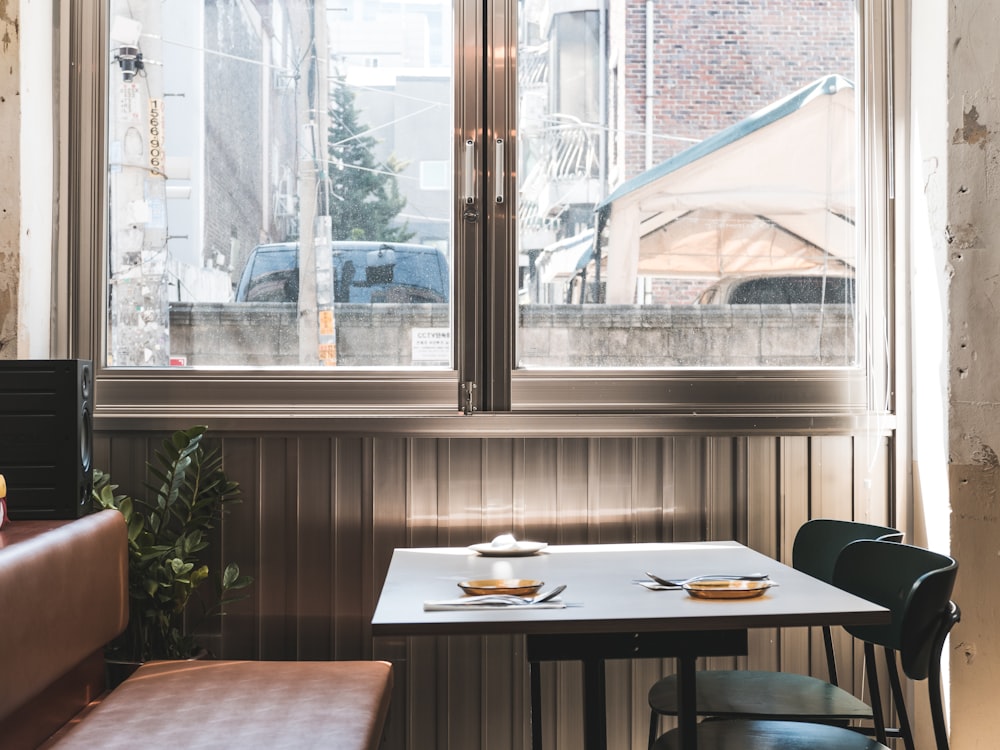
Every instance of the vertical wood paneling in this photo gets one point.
(794, 491)
(688, 504)
(276, 551)
(870, 481)
(720, 515)
(647, 478)
(315, 541)
(461, 504)
(572, 490)
(763, 533)
(321, 515)
(240, 628)
(499, 516)
(720, 508)
(351, 631)
(613, 495)
(412, 476)
(832, 496)
(536, 482)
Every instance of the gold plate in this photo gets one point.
(726, 589)
(515, 586)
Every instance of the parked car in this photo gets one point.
(372, 272)
(789, 289)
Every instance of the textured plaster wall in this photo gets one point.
(9, 170)
(972, 234)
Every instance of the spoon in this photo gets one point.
(681, 582)
(547, 595)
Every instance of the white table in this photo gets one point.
(609, 616)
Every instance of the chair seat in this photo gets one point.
(745, 734)
(772, 695)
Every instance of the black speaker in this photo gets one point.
(46, 437)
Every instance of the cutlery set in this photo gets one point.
(511, 598)
(679, 583)
(495, 600)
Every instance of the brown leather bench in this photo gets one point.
(63, 595)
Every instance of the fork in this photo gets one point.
(680, 583)
(512, 599)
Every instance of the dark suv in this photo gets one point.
(367, 272)
(799, 289)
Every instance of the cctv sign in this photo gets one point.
(431, 346)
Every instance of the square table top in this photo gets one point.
(601, 593)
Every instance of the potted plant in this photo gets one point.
(168, 535)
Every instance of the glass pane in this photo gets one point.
(687, 184)
(278, 185)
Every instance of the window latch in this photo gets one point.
(466, 398)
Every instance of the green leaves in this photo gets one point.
(169, 534)
(232, 580)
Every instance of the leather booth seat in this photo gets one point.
(64, 595)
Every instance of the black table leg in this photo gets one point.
(595, 716)
(594, 648)
(534, 671)
(687, 714)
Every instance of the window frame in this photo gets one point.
(504, 400)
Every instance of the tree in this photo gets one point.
(363, 194)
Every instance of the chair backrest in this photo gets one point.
(915, 584)
(818, 543)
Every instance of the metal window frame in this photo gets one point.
(503, 400)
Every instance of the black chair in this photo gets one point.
(782, 695)
(915, 584)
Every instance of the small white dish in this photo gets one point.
(518, 549)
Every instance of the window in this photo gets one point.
(377, 200)
(304, 237)
(729, 154)
(434, 175)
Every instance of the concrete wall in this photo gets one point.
(10, 196)
(549, 335)
(961, 196)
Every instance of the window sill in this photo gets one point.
(549, 404)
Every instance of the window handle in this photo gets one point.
(470, 172)
(499, 172)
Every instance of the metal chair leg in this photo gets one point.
(876, 695)
(896, 689)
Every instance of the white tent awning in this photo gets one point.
(777, 186)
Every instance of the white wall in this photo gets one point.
(37, 188)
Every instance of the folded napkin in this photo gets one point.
(654, 586)
(475, 603)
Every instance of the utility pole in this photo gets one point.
(317, 342)
(327, 344)
(139, 325)
(304, 21)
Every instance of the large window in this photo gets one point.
(698, 207)
(265, 191)
(494, 205)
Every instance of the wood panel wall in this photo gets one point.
(321, 515)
